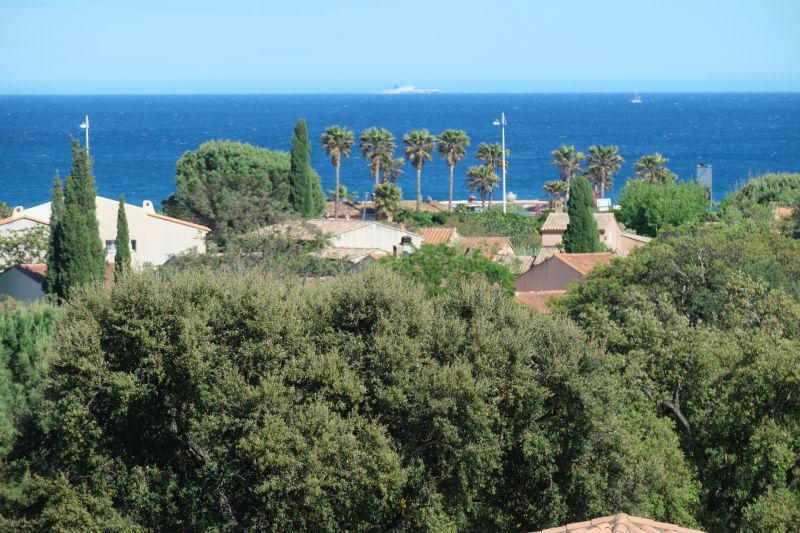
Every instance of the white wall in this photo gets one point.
(20, 286)
(156, 239)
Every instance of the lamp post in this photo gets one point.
(502, 124)
(85, 126)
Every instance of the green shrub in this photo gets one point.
(648, 208)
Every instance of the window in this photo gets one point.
(111, 247)
(133, 244)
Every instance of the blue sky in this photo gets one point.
(283, 46)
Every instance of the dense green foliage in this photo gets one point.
(768, 190)
(231, 187)
(653, 168)
(377, 147)
(122, 257)
(202, 402)
(26, 245)
(441, 266)
(650, 207)
(582, 235)
(419, 147)
(706, 320)
(78, 255)
(278, 255)
(337, 141)
(305, 191)
(26, 334)
(387, 198)
(52, 283)
(452, 146)
(601, 165)
(5, 211)
(568, 161)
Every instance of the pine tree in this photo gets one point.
(81, 257)
(582, 235)
(52, 283)
(304, 184)
(122, 258)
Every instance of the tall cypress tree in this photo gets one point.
(82, 257)
(582, 235)
(52, 282)
(122, 258)
(304, 186)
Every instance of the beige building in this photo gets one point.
(611, 233)
(559, 270)
(154, 237)
(620, 523)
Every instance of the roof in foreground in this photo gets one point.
(36, 271)
(620, 523)
(539, 300)
(584, 263)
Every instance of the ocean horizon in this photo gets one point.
(137, 139)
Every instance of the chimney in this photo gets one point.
(405, 244)
(18, 212)
(147, 205)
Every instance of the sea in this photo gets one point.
(136, 140)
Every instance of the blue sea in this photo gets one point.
(136, 140)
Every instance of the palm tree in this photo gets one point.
(555, 188)
(420, 145)
(392, 168)
(482, 179)
(375, 144)
(387, 199)
(337, 141)
(453, 148)
(603, 162)
(568, 162)
(653, 168)
(492, 155)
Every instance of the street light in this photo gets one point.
(502, 124)
(85, 126)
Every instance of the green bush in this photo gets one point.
(767, 190)
(650, 207)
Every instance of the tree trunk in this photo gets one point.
(491, 193)
(419, 187)
(603, 186)
(377, 171)
(336, 196)
(450, 198)
(483, 199)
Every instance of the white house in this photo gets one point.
(154, 237)
(351, 234)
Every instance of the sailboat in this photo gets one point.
(636, 98)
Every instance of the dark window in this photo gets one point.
(133, 244)
(111, 246)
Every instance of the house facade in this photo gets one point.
(611, 233)
(559, 270)
(154, 237)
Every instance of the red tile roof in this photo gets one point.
(21, 217)
(487, 245)
(35, 271)
(539, 300)
(557, 222)
(584, 263)
(621, 523)
(439, 235)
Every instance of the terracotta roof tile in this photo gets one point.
(23, 217)
(36, 271)
(584, 263)
(439, 235)
(557, 222)
(621, 523)
(783, 212)
(539, 300)
(486, 245)
(545, 252)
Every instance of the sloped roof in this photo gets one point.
(23, 217)
(557, 222)
(621, 523)
(519, 264)
(545, 252)
(304, 229)
(539, 300)
(179, 221)
(345, 208)
(584, 263)
(354, 255)
(438, 235)
(486, 245)
(36, 271)
(429, 206)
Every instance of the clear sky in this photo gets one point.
(329, 46)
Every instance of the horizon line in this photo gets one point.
(379, 93)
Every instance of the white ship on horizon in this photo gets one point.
(409, 89)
